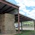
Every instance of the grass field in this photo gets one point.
(27, 32)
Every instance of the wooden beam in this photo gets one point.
(12, 5)
(2, 7)
(6, 9)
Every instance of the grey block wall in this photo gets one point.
(8, 23)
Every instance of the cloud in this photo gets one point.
(29, 2)
(32, 14)
(30, 10)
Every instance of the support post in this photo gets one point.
(18, 22)
(21, 25)
(0, 0)
(34, 24)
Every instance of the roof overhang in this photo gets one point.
(10, 4)
(23, 18)
(6, 7)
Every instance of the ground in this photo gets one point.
(27, 32)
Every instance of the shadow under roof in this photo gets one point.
(6, 7)
(23, 18)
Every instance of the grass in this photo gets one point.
(26, 32)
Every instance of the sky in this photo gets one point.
(26, 7)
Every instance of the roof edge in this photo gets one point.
(10, 4)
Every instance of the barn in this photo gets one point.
(9, 13)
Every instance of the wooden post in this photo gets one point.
(34, 24)
(21, 25)
(18, 22)
(0, 0)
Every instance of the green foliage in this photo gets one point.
(28, 23)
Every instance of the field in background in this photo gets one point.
(27, 25)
